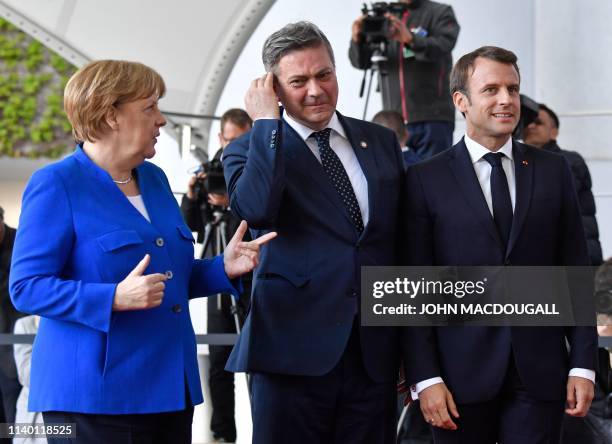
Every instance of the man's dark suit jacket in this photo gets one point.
(306, 287)
(449, 223)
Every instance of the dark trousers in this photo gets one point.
(220, 381)
(343, 406)
(9, 384)
(430, 138)
(513, 417)
(152, 428)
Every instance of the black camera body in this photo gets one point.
(214, 182)
(376, 28)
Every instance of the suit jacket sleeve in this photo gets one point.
(573, 252)
(419, 348)
(255, 174)
(42, 248)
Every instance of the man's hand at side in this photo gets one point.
(580, 393)
(436, 402)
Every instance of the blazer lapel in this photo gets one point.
(365, 152)
(523, 173)
(463, 169)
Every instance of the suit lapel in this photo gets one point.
(365, 152)
(523, 173)
(461, 165)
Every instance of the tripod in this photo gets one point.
(217, 229)
(215, 239)
(377, 59)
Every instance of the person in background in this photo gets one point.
(27, 325)
(415, 77)
(103, 255)
(543, 133)
(198, 210)
(9, 384)
(393, 121)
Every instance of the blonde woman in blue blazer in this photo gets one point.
(103, 255)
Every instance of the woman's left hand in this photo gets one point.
(241, 257)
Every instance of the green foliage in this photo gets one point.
(32, 80)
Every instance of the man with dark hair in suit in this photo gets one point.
(543, 133)
(9, 384)
(332, 188)
(489, 200)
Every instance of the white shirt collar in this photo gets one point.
(305, 132)
(477, 151)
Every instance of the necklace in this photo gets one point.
(123, 182)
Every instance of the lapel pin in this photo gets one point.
(363, 144)
(525, 163)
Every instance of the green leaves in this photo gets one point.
(32, 79)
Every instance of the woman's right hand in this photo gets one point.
(138, 291)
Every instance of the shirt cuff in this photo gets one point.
(583, 373)
(420, 386)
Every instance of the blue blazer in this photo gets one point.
(306, 287)
(78, 237)
(449, 223)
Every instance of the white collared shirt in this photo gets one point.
(483, 168)
(340, 144)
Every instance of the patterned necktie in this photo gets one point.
(500, 193)
(336, 172)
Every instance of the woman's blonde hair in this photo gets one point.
(100, 85)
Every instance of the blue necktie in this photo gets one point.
(500, 193)
(336, 172)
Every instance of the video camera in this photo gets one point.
(214, 182)
(376, 28)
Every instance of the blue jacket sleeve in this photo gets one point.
(255, 174)
(39, 281)
(208, 277)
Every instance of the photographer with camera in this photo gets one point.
(205, 208)
(409, 43)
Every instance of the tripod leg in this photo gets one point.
(365, 107)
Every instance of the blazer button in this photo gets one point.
(177, 308)
(169, 274)
(159, 242)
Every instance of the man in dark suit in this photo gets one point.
(491, 201)
(331, 187)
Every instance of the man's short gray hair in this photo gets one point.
(292, 37)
